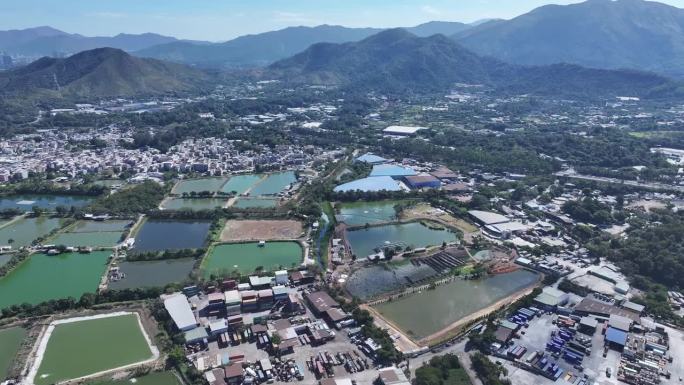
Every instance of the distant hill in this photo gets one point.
(397, 60)
(47, 41)
(446, 28)
(265, 48)
(610, 34)
(255, 50)
(99, 73)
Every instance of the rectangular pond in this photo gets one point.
(452, 302)
(250, 203)
(10, 342)
(42, 278)
(25, 230)
(274, 183)
(239, 184)
(93, 346)
(360, 213)
(199, 185)
(97, 239)
(414, 234)
(160, 235)
(26, 202)
(98, 226)
(193, 204)
(153, 273)
(247, 257)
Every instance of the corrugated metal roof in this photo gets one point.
(371, 184)
(179, 310)
(391, 170)
(616, 336)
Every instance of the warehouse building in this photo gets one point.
(179, 309)
(422, 181)
(320, 302)
(402, 130)
(485, 218)
(371, 159)
(370, 184)
(392, 170)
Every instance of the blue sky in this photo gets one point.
(220, 20)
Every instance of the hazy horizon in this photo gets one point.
(221, 20)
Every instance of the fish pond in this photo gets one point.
(189, 186)
(365, 241)
(247, 257)
(141, 274)
(160, 378)
(274, 183)
(193, 204)
(360, 213)
(43, 277)
(160, 235)
(239, 184)
(94, 345)
(24, 231)
(451, 302)
(249, 203)
(26, 202)
(91, 234)
(375, 280)
(10, 342)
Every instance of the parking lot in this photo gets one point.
(535, 338)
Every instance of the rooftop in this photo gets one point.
(179, 309)
(392, 170)
(378, 183)
(488, 217)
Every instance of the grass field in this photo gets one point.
(10, 341)
(93, 346)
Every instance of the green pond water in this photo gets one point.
(248, 203)
(360, 213)
(415, 234)
(199, 185)
(93, 346)
(95, 226)
(26, 230)
(153, 273)
(95, 239)
(42, 278)
(240, 183)
(246, 257)
(27, 201)
(162, 378)
(452, 302)
(10, 341)
(274, 184)
(193, 204)
(159, 235)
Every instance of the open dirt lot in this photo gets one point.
(265, 230)
(425, 211)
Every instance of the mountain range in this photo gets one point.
(397, 60)
(633, 34)
(98, 73)
(265, 48)
(609, 34)
(47, 41)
